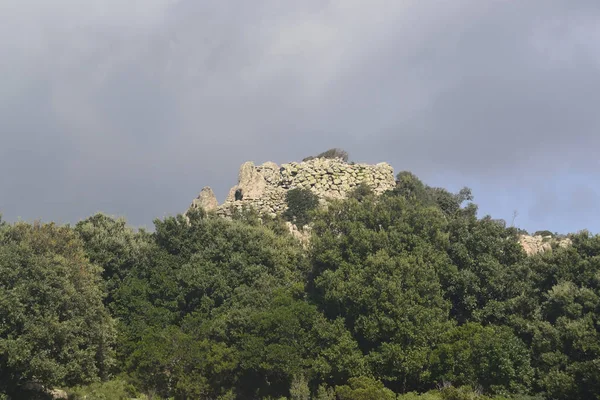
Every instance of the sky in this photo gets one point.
(132, 107)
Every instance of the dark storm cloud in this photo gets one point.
(132, 107)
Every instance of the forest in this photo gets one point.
(409, 295)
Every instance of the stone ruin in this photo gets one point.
(264, 187)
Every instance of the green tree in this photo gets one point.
(112, 245)
(490, 357)
(487, 258)
(300, 204)
(563, 330)
(279, 337)
(299, 389)
(361, 192)
(375, 264)
(413, 189)
(172, 363)
(54, 328)
(364, 388)
(220, 282)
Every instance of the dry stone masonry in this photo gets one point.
(264, 187)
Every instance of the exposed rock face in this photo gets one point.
(301, 234)
(264, 187)
(537, 244)
(206, 200)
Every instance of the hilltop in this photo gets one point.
(329, 175)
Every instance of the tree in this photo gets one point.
(171, 362)
(488, 269)
(491, 357)
(209, 280)
(361, 192)
(300, 204)
(413, 189)
(364, 388)
(112, 245)
(563, 332)
(54, 328)
(375, 264)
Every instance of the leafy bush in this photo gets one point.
(113, 389)
(460, 393)
(325, 393)
(299, 389)
(300, 203)
(360, 192)
(433, 395)
(331, 154)
(364, 388)
(413, 189)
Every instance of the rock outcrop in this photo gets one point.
(206, 200)
(264, 187)
(538, 244)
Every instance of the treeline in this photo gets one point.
(407, 295)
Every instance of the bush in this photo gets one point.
(114, 389)
(364, 388)
(462, 393)
(331, 154)
(299, 389)
(433, 395)
(361, 191)
(300, 203)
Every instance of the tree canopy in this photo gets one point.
(407, 295)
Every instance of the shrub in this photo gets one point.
(433, 395)
(461, 393)
(331, 154)
(300, 203)
(299, 389)
(113, 389)
(364, 388)
(360, 192)
(325, 393)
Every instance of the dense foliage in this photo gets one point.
(54, 328)
(403, 296)
(300, 204)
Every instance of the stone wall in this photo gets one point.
(264, 187)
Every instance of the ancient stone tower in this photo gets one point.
(264, 187)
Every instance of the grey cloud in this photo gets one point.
(132, 107)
